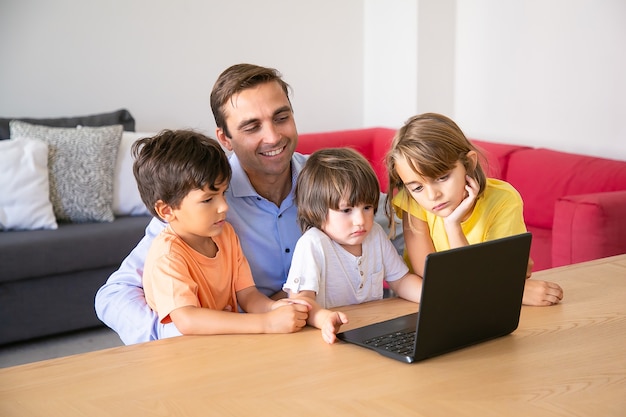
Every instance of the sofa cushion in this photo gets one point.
(118, 117)
(24, 187)
(589, 226)
(81, 163)
(542, 176)
(49, 305)
(541, 248)
(72, 247)
(373, 143)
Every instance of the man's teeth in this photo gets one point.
(273, 153)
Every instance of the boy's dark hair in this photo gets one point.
(330, 176)
(235, 79)
(171, 164)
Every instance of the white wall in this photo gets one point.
(537, 72)
(543, 73)
(160, 58)
(390, 64)
(436, 56)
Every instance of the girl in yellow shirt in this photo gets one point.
(446, 201)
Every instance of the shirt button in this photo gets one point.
(361, 273)
(287, 250)
(296, 280)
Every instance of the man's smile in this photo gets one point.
(274, 152)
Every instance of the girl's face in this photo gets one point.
(349, 225)
(439, 196)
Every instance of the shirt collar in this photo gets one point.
(240, 185)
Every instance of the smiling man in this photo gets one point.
(255, 121)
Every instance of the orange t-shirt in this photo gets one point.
(175, 275)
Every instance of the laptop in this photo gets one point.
(469, 295)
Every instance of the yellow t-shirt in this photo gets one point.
(498, 213)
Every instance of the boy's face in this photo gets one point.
(349, 225)
(440, 196)
(263, 130)
(201, 214)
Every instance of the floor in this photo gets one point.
(57, 346)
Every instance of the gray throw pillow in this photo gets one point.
(81, 164)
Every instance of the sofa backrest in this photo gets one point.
(118, 117)
(542, 176)
(373, 143)
(495, 157)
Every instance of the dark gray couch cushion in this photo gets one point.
(70, 248)
(118, 117)
(38, 307)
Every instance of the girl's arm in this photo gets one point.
(541, 293)
(327, 321)
(417, 242)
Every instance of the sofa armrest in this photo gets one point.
(588, 226)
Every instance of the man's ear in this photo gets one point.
(164, 211)
(223, 139)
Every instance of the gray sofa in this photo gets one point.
(49, 278)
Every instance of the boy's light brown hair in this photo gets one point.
(329, 177)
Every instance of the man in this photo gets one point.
(255, 121)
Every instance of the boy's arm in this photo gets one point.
(120, 303)
(286, 318)
(408, 287)
(327, 321)
(199, 320)
(251, 300)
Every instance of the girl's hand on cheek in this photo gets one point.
(471, 190)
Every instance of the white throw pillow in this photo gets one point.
(126, 199)
(24, 185)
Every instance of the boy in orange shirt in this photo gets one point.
(196, 274)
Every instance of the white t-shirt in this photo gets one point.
(339, 278)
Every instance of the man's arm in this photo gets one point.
(120, 303)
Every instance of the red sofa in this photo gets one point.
(574, 205)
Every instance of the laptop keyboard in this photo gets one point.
(399, 342)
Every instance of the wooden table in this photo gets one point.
(565, 360)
